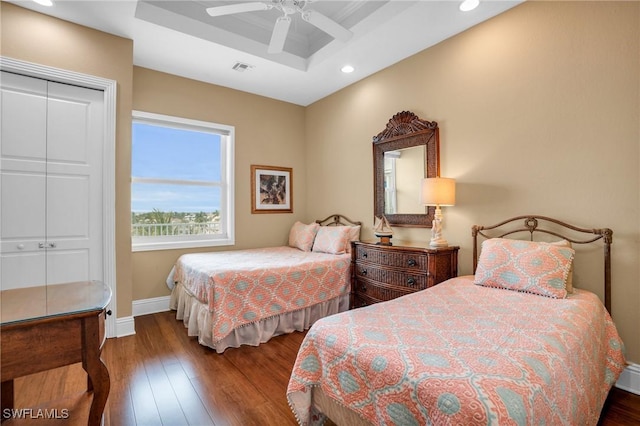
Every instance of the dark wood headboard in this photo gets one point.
(546, 225)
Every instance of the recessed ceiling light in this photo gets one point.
(44, 2)
(468, 5)
(347, 69)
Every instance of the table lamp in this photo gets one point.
(438, 192)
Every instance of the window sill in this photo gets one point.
(174, 245)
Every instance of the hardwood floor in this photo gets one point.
(162, 377)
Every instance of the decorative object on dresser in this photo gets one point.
(382, 230)
(382, 273)
(438, 192)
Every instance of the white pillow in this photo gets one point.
(331, 239)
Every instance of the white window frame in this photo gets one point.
(227, 223)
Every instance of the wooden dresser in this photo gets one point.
(383, 273)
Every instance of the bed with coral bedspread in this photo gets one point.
(462, 352)
(231, 298)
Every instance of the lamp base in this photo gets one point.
(438, 242)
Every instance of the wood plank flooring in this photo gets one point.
(162, 377)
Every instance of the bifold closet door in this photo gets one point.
(51, 182)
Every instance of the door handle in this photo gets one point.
(47, 245)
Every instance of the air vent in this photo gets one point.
(241, 66)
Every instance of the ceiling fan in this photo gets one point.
(281, 28)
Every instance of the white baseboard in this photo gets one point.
(629, 380)
(125, 327)
(150, 306)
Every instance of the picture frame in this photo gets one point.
(271, 189)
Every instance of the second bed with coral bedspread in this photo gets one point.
(463, 354)
(245, 297)
(243, 286)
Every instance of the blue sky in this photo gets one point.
(168, 153)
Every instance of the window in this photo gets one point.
(181, 183)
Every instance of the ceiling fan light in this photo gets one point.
(468, 5)
(347, 69)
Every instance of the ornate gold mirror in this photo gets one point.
(404, 153)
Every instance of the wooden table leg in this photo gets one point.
(6, 398)
(96, 370)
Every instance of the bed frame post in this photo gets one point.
(474, 233)
(608, 239)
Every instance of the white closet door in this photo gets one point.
(51, 183)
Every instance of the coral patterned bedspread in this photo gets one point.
(459, 353)
(244, 286)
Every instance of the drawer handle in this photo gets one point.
(411, 281)
(412, 262)
(363, 287)
(363, 272)
(364, 254)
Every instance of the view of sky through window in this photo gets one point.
(180, 156)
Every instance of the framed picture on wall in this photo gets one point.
(271, 189)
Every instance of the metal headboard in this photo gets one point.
(337, 220)
(539, 224)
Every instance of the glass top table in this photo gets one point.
(56, 325)
(33, 303)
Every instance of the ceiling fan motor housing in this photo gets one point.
(289, 7)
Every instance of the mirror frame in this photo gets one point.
(405, 130)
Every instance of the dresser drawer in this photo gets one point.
(398, 259)
(373, 290)
(361, 300)
(414, 280)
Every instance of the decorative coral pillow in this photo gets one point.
(530, 267)
(301, 236)
(565, 243)
(331, 239)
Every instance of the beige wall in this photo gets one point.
(268, 132)
(538, 112)
(38, 38)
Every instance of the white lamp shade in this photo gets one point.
(438, 192)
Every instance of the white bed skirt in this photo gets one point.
(197, 319)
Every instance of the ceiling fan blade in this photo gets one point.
(231, 9)
(279, 34)
(327, 25)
